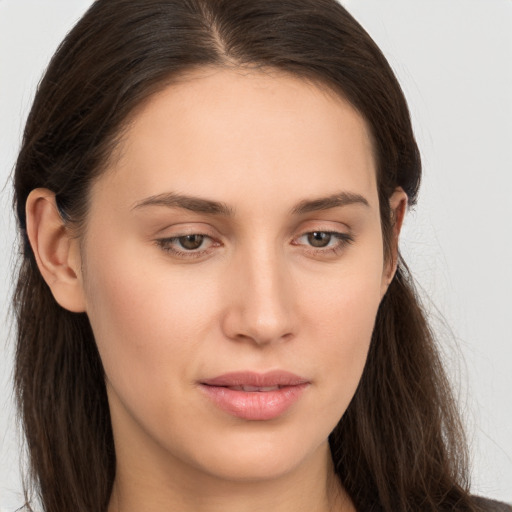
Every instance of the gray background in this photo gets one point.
(454, 60)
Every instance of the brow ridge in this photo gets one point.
(326, 203)
(195, 204)
(208, 206)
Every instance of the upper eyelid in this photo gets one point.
(325, 229)
(216, 236)
(305, 226)
(186, 229)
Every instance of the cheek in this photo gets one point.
(145, 320)
(340, 319)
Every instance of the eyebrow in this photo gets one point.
(208, 206)
(326, 203)
(194, 204)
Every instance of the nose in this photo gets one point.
(260, 304)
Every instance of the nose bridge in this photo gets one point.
(261, 306)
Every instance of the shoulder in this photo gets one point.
(491, 505)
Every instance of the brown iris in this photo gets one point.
(191, 242)
(319, 238)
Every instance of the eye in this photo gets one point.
(187, 246)
(324, 242)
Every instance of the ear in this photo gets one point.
(398, 207)
(56, 251)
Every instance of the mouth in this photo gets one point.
(255, 396)
(273, 380)
(253, 389)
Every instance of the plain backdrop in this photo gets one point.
(454, 61)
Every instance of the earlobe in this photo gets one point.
(398, 207)
(55, 250)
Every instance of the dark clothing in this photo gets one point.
(492, 506)
(484, 504)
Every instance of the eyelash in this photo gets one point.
(343, 240)
(166, 245)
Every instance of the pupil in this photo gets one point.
(319, 239)
(191, 242)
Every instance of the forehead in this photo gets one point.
(246, 131)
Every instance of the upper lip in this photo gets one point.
(255, 379)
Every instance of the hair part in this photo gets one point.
(120, 54)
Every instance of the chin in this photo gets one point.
(246, 468)
(260, 458)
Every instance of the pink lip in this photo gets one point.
(255, 404)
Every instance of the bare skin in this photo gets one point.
(238, 229)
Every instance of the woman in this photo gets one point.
(212, 310)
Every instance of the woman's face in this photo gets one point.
(232, 270)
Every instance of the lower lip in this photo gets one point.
(254, 405)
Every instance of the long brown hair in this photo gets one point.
(399, 446)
